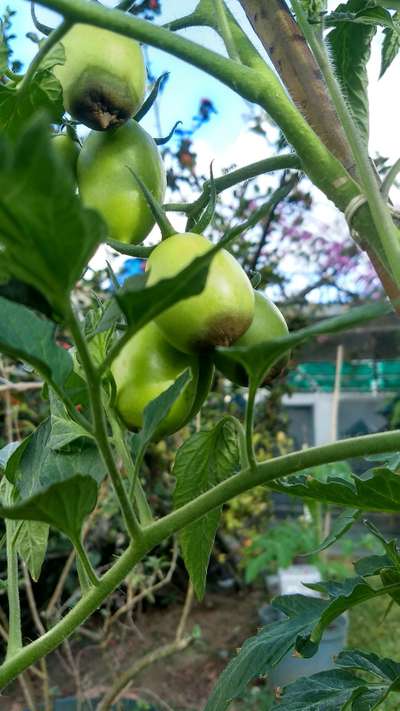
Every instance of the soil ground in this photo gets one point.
(182, 681)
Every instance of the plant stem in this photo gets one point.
(388, 233)
(85, 562)
(14, 623)
(389, 179)
(251, 396)
(283, 162)
(44, 49)
(175, 521)
(135, 489)
(100, 427)
(225, 30)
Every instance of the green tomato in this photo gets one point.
(216, 317)
(107, 185)
(146, 366)
(67, 149)
(103, 77)
(267, 325)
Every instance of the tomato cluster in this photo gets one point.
(104, 93)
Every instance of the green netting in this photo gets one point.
(360, 376)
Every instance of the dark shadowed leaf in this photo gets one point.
(28, 337)
(203, 461)
(46, 236)
(19, 102)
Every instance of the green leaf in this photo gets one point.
(382, 667)
(371, 565)
(342, 596)
(339, 689)
(19, 102)
(28, 337)
(350, 46)
(327, 691)
(203, 461)
(46, 236)
(156, 411)
(64, 430)
(378, 490)
(64, 505)
(257, 360)
(391, 44)
(37, 466)
(260, 653)
(342, 524)
(32, 545)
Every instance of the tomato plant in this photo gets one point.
(144, 356)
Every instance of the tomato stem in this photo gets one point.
(100, 428)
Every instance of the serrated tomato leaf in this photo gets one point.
(377, 490)
(350, 45)
(340, 688)
(203, 461)
(391, 44)
(46, 236)
(261, 653)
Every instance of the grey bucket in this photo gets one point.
(291, 667)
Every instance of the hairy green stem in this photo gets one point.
(44, 49)
(390, 179)
(132, 250)
(136, 492)
(268, 165)
(100, 427)
(388, 233)
(251, 397)
(175, 521)
(14, 618)
(225, 30)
